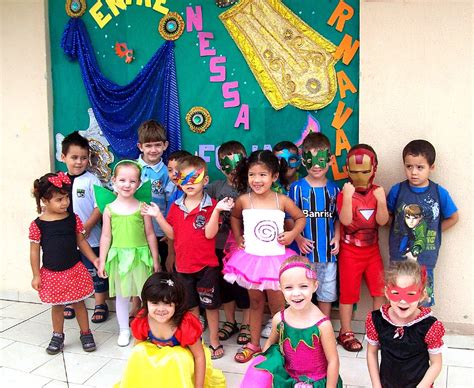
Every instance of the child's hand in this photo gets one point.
(156, 267)
(170, 260)
(96, 263)
(225, 204)
(240, 242)
(410, 256)
(150, 210)
(36, 283)
(379, 194)
(334, 246)
(101, 271)
(305, 245)
(348, 189)
(286, 238)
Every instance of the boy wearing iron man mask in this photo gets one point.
(362, 209)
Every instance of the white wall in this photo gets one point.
(416, 82)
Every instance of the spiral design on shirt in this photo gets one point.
(266, 230)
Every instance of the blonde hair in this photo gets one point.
(405, 268)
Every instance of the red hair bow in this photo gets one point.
(59, 179)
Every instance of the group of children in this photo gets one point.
(262, 234)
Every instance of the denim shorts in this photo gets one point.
(327, 278)
(100, 285)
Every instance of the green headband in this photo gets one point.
(129, 161)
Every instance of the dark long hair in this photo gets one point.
(264, 157)
(43, 188)
(167, 288)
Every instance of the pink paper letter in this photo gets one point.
(228, 93)
(214, 68)
(204, 49)
(243, 117)
(193, 19)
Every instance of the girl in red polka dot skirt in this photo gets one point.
(409, 337)
(62, 279)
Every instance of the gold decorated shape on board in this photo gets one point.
(199, 119)
(75, 8)
(101, 157)
(291, 61)
(171, 26)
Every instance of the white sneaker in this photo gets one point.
(267, 329)
(123, 338)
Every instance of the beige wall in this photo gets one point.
(416, 82)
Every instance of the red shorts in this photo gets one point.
(355, 262)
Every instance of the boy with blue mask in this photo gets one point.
(288, 154)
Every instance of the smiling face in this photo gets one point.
(297, 288)
(153, 151)
(260, 178)
(404, 297)
(126, 180)
(417, 170)
(76, 159)
(161, 312)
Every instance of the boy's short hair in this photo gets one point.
(284, 144)
(232, 147)
(316, 140)
(74, 139)
(420, 147)
(176, 155)
(193, 161)
(151, 131)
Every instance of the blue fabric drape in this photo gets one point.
(119, 110)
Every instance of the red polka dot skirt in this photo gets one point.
(65, 287)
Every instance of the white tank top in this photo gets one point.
(261, 229)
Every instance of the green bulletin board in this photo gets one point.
(137, 26)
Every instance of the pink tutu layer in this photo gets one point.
(255, 272)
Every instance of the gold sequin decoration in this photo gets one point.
(292, 62)
(75, 8)
(100, 159)
(199, 119)
(171, 26)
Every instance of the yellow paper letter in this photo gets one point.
(344, 83)
(340, 16)
(158, 7)
(114, 5)
(346, 49)
(98, 16)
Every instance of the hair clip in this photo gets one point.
(59, 179)
(169, 282)
(310, 271)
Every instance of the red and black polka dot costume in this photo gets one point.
(404, 349)
(64, 279)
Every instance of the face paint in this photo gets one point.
(361, 167)
(408, 294)
(192, 178)
(228, 165)
(321, 159)
(293, 160)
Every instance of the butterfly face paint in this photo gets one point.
(293, 160)
(408, 294)
(229, 164)
(192, 178)
(321, 159)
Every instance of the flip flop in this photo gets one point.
(214, 350)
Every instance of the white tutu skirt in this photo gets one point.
(254, 272)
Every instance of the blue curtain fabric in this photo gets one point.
(120, 110)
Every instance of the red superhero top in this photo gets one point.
(187, 333)
(363, 231)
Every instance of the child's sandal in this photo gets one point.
(88, 343)
(347, 340)
(69, 312)
(56, 344)
(244, 335)
(101, 313)
(215, 354)
(228, 330)
(245, 353)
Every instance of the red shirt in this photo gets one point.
(193, 250)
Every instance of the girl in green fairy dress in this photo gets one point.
(128, 246)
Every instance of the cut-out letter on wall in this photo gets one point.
(243, 117)
(337, 175)
(341, 116)
(193, 19)
(158, 7)
(216, 69)
(203, 148)
(344, 83)
(204, 50)
(114, 5)
(98, 16)
(342, 142)
(342, 13)
(346, 49)
(227, 92)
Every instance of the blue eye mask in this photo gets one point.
(293, 160)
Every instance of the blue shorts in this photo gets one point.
(327, 278)
(100, 285)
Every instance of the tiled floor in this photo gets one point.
(25, 330)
